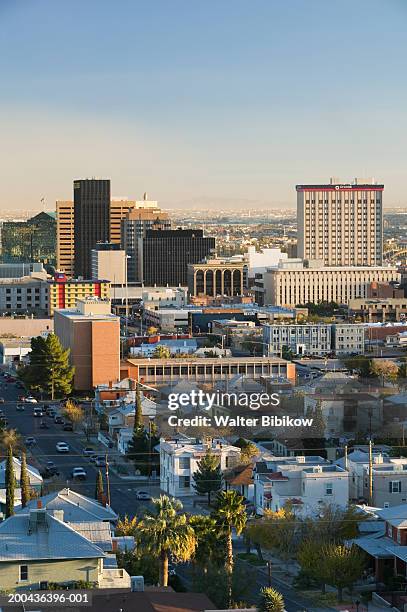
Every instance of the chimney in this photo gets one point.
(39, 503)
(114, 545)
(110, 384)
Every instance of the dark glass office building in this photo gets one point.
(164, 255)
(91, 221)
(34, 240)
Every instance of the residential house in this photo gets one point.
(123, 416)
(356, 463)
(76, 507)
(305, 482)
(389, 482)
(37, 547)
(346, 414)
(179, 460)
(240, 479)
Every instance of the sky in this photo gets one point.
(210, 103)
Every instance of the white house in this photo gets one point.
(123, 438)
(305, 482)
(179, 459)
(123, 416)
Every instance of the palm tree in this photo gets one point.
(230, 514)
(209, 542)
(166, 533)
(10, 438)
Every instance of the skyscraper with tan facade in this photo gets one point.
(341, 224)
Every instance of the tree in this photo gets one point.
(99, 487)
(310, 559)
(275, 531)
(126, 526)
(248, 450)
(271, 600)
(230, 513)
(10, 438)
(49, 369)
(139, 445)
(10, 483)
(73, 413)
(166, 533)
(343, 566)
(208, 476)
(209, 550)
(334, 524)
(24, 481)
(384, 369)
(162, 352)
(360, 364)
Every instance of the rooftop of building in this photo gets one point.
(205, 360)
(180, 445)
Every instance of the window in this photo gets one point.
(184, 463)
(329, 488)
(184, 482)
(23, 572)
(395, 486)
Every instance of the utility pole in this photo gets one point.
(346, 457)
(370, 474)
(269, 572)
(107, 480)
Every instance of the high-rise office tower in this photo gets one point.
(91, 220)
(30, 241)
(341, 224)
(65, 237)
(119, 207)
(134, 226)
(164, 255)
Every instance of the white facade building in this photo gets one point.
(258, 262)
(179, 461)
(305, 482)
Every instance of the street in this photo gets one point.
(122, 492)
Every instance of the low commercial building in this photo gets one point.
(206, 369)
(187, 346)
(167, 319)
(25, 327)
(214, 277)
(26, 294)
(305, 482)
(65, 293)
(378, 309)
(179, 462)
(92, 334)
(13, 350)
(348, 338)
(296, 281)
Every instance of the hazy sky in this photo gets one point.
(201, 102)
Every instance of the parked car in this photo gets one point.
(59, 420)
(143, 495)
(79, 473)
(67, 427)
(100, 461)
(20, 407)
(50, 470)
(89, 452)
(30, 441)
(31, 400)
(62, 447)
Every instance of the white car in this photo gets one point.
(62, 447)
(79, 473)
(30, 400)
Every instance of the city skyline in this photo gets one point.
(249, 111)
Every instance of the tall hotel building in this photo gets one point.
(341, 224)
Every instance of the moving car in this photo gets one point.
(30, 441)
(50, 470)
(38, 411)
(79, 473)
(62, 447)
(1, 400)
(20, 407)
(68, 427)
(58, 419)
(21, 398)
(100, 461)
(89, 452)
(31, 400)
(143, 495)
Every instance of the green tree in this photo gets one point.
(360, 364)
(24, 481)
(161, 352)
(10, 483)
(248, 450)
(275, 531)
(99, 487)
(342, 566)
(49, 369)
(271, 600)
(165, 533)
(209, 550)
(139, 445)
(230, 514)
(310, 558)
(208, 476)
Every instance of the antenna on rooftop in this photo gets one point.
(43, 203)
